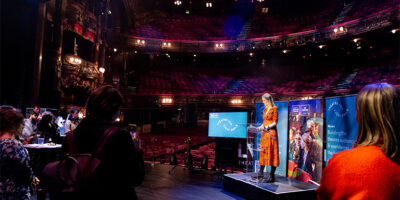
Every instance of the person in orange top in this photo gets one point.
(269, 152)
(371, 170)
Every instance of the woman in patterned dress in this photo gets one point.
(16, 176)
(269, 152)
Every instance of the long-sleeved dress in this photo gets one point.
(269, 154)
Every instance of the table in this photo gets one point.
(41, 154)
(42, 146)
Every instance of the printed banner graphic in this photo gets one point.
(305, 140)
(282, 135)
(341, 124)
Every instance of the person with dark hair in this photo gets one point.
(72, 120)
(36, 112)
(46, 128)
(122, 165)
(371, 170)
(16, 175)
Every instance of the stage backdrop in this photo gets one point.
(305, 140)
(341, 124)
(282, 135)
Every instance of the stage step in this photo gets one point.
(282, 188)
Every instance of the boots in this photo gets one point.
(271, 177)
(260, 174)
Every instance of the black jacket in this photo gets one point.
(121, 166)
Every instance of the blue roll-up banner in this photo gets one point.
(341, 124)
(305, 140)
(282, 128)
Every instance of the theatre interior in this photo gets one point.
(193, 73)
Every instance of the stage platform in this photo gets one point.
(282, 188)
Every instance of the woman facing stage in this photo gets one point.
(269, 152)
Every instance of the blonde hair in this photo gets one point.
(378, 116)
(268, 97)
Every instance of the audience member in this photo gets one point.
(16, 175)
(30, 128)
(36, 112)
(122, 165)
(46, 127)
(72, 120)
(371, 170)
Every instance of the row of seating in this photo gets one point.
(363, 8)
(196, 27)
(181, 83)
(158, 147)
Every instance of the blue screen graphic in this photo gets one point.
(227, 124)
(341, 124)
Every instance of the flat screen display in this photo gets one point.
(227, 124)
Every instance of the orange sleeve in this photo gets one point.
(275, 115)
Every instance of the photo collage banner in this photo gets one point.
(305, 140)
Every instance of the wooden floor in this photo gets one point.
(181, 184)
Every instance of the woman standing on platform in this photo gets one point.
(371, 170)
(269, 153)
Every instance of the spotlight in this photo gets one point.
(219, 45)
(178, 3)
(102, 70)
(115, 49)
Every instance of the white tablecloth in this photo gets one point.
(42, 146)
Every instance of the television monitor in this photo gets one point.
(227, 124)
